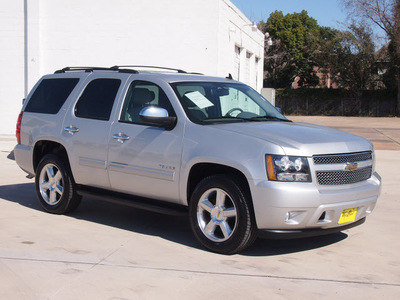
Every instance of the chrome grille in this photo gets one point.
(343, 177)
(341, 158)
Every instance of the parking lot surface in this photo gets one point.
(104, 251)
(383, 132)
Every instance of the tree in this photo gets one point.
(386, 15)
(350, 59)
(297, 39)
(354, 58)
(287, 57)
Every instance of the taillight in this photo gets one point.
(18, 132)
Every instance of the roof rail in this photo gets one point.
(120, 69)
(91, 69)
(148, 67)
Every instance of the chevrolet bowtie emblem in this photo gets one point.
(351, 166)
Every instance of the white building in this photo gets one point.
(38, 37)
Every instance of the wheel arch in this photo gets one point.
(200, 171)
(44, 147)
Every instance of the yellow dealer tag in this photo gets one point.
(348, 215)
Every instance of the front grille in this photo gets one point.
(343, 177)
(341, 158)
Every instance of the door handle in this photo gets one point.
(71, 129)
(121, 137)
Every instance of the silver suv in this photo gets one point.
(180, 143)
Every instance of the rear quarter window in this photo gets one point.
(50, 95)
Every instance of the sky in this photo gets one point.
(326, 12)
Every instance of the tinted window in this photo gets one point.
(141, 94)
(50, 95)
(97, 99)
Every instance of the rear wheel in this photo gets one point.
(221, 216)
(55, 187)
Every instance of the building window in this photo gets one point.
(258, 88)
(247, 67)
(236, 63)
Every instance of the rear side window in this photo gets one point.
(97, 99)
(50, 95)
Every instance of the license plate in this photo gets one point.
(348, 215)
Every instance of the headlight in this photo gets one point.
(287, 168)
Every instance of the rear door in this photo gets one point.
(86, 129)
(145, 160)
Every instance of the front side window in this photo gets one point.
(97, 99)
(212, 102)
(140, 95)
(50, 95)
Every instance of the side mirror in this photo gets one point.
(157, 116)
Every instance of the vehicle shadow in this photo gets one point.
(264, 247)
(11, 155)
(172, 228)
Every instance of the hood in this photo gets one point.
(301, 138)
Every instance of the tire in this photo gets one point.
(221, 216)
(55, 187)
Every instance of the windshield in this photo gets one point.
(214, 102)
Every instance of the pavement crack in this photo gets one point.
(200, 272)
(258, 276)
(100, 262)
(385, 135)
(92, 264)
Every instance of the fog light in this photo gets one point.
(294, 217)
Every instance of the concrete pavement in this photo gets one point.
(383, 132)
(104, 251)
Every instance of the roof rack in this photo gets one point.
(91, 69)
(148, 67)
(120, 69)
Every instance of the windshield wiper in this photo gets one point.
(267, 118)
(225, 118)
(252, 119)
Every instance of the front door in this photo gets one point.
(145, 160)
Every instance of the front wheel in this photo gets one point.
(221, 216)
(55, 187)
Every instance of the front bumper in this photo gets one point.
(296, 208)
(275, 234)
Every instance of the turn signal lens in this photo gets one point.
(270, 168)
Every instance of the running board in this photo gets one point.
(134, 201)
